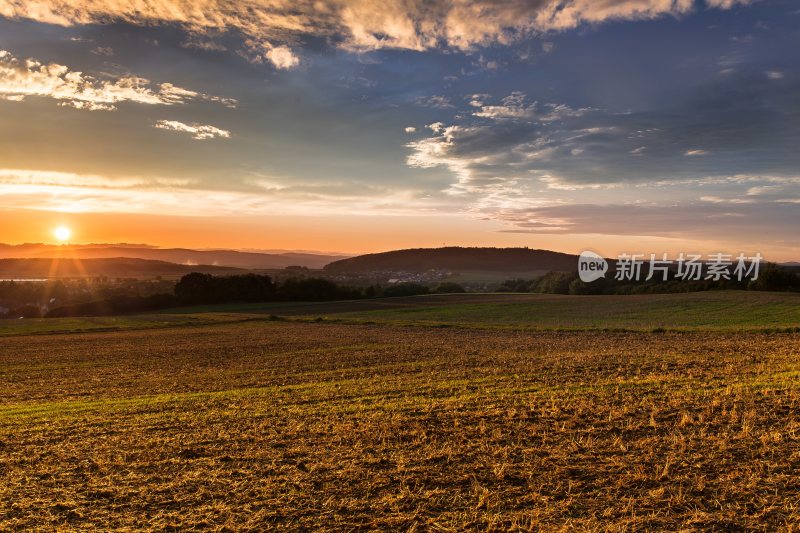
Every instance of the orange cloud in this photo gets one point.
(199, 132)
(20, 79)
(84, 193)
(272, 26)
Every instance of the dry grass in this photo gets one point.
(279, 425)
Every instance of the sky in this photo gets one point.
(358, 126)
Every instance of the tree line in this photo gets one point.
(771, 278)
(205, 289)
(198, 289)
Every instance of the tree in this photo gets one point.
(310, 289)
(555, 282)
(198, 288)
(195, 288)
(775, 278)
(406, 289)
(449, 287)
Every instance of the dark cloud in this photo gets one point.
(695, 220)
(744, 125)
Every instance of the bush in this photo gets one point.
(448, 287)
(406, 289)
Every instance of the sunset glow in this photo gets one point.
(367, 126)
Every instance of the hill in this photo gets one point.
(120, 267)
(458, 259)
(186, 256)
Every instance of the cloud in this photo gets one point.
(765, 190)
(200, 43)
(103, 51)
(410, 129)
(654, 210)
(11, 176)
(502, 153)
(556, 183)
(357, 25)
(718, 200)
(282, 57)
(486, 64)
(503, 142)
(436, 101)
(199, 132)
(89, 193)
(478, 99)
(686, 222)
(744, 125)
(726, 4)
(180, 95)
(774, 74)
(20, 79)
(512, 107)
(89, 106)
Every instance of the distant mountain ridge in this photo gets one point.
(181, 256)
(119, 267)
(458, 259)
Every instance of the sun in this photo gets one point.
(62, 233)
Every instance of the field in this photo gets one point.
(718, 311)
(230, 419)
